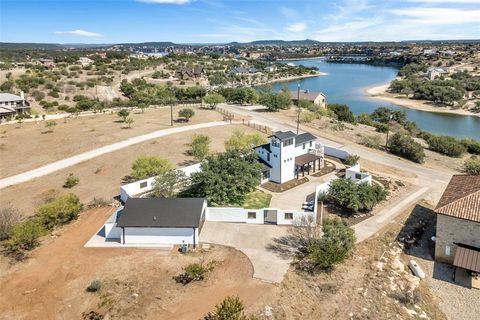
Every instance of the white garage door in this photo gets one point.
(158, 235)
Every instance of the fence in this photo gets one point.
(262, 128)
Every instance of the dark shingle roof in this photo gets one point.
(283, 135)
(461, 198)
(265, 146)
(162, 212)
(304, 137)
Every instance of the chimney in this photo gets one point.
(22, 95)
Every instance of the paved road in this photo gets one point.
(67, 162)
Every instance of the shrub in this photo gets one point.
(446, 145)
(25, 236)
(199, 147)
(323, 253)
(186, 113)
(351, 159)
(373, 142)
(194, 272)
(356, 197)
(342, 112)
(231, 308)
(94, 286)
(472, 165)
(472, 146)
(146, 167)
(307, 117)
(9, 216)
(71, 181)
(380, 127)
(403, 145)
(61, 210)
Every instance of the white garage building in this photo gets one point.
(158, 221)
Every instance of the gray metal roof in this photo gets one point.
(304, 137)
(162, 212)
(7, 97)
(284, 135)
(265, 146)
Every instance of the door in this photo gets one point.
(270, 216)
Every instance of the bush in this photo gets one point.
(94, 286)
(9, 216)
(146, 167)
(351, 159)
(373, 142)
(194, 272)
(333, 247)
(186, 113)
(342, 112)
(446, 145)
(71, 181)
(307, 117)
(60, 211)
(200, 146)
(356, 197)
(472, 165)
(231, 308)
(472, 146)
(25, 236)
(403, 145)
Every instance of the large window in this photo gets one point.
(143, 184)
(275, 143)
(252, 215)
(287, 142)
(288, 215)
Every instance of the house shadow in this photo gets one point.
(101, 232)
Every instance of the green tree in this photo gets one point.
(50, 124)
(213, 99)
(226, 178)
(186, 113)
(342, 112)
(324, 252)
(25, 236)
(241, 141)
(61, 210)
(146, 167)
(276, 101)
(472, 165)
(167, 184)
(446, 145)
(129, 121)
(200, 146)
(403, 145)
(123, 113)
(71, 181)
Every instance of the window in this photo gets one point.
(287, 142)
(275, 143)
(303, 146)
(252, 215)
(311, 143)
(358, 176)
(268, 156)
(288, 215)
(143, 184)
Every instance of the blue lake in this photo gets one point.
(346, 83)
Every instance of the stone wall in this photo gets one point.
(452, 230)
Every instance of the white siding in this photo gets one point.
(159, 235)
(334, 152)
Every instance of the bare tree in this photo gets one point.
(9, 216)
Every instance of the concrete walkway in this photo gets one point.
(67, 162)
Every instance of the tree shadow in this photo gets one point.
(285, 246)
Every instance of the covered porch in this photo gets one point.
(308, 162)
(468, 259)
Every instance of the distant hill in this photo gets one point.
(305, 42)
(43, 46)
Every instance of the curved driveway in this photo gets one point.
(67, 162)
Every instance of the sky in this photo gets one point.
(221, 21)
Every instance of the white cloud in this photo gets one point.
(80, 33)
(296, 27)
(166, 1)
(289, 13)
(438, 16)
(446, 1)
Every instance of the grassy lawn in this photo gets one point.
(257, 199)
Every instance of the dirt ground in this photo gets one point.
(136, 283)
(29, 146)
(102, 176)
(369, 285)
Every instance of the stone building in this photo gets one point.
(458, 223)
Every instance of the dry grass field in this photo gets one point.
(30, 146)
(102, 176)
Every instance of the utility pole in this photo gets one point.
(298, 106)
(388, 131)
(171, 107)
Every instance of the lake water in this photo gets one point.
(346, 83)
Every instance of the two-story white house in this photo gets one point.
(288, 155)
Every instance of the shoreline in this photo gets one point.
(319, 74)
(295, 59)
(380, 92)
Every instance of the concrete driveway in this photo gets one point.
(256, 242)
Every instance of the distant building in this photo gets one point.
(46, 62)
(186, 72)
(84, 61)
(288, 155)
(11, 105)
(317, 98)
(433, 72)
(458, 223)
